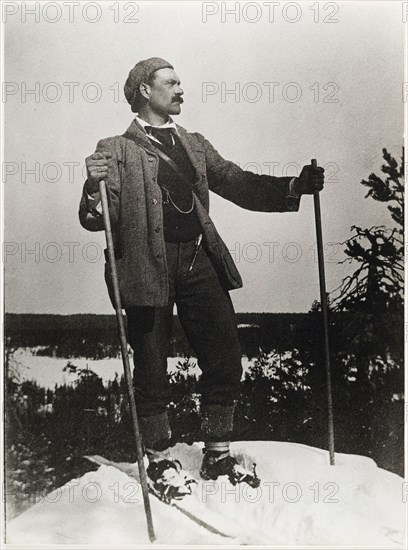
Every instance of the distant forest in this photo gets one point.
(95, 336)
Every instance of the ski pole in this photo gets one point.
(125, 359)
(323, 301)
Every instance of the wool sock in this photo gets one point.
(154, 456)
(216, 450)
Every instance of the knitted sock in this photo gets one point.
(156, 432)
(216, 450)
(155, 456)
(217, 422)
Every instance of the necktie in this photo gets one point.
(164, 135)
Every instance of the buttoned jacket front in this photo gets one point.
(135, 208)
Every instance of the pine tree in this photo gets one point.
(374, 291)
(369, 315)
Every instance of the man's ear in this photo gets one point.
(144, 90)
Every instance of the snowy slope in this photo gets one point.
(301, 501)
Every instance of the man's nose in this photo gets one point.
(180, 91)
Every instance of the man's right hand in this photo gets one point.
(97, 166)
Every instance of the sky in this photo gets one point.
(270, 90)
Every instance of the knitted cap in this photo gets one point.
(141, 72)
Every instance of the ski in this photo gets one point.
(185, 506)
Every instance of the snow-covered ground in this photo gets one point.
(48, 371)
(302, 500)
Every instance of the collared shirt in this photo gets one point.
(169, 124)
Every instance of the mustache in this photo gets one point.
(178, 99)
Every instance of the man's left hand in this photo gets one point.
(311, 179)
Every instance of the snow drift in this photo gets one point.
(302, 500)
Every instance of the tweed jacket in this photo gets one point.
(135, 208)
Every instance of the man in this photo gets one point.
(168, 251)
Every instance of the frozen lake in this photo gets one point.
(48, 371)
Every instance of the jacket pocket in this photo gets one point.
(232, 272)
(129, 260)
(224, 265)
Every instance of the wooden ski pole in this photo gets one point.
(323, 301)
(125, 359)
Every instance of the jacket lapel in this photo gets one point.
(136, 133)
(189, 150)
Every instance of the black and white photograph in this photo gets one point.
(203, 274)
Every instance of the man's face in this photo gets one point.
(165, 92)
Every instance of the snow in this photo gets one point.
(48, 371)
(302, 500)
